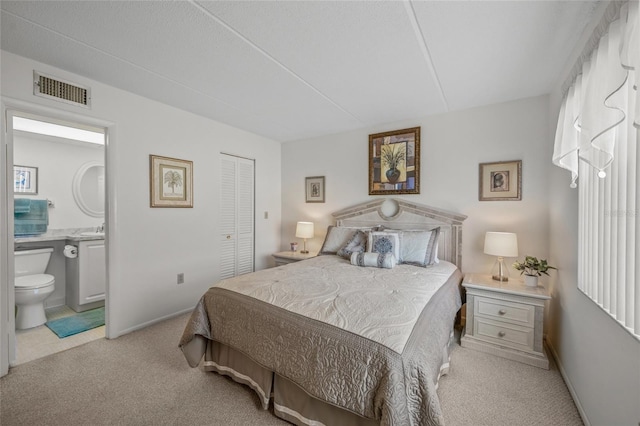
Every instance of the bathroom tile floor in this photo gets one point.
(39, 341)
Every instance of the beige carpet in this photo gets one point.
(143, 379)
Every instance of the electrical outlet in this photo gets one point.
(181, 278)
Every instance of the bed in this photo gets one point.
(330, 342)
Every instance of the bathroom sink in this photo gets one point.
(92, 234)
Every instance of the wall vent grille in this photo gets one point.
(60, 90)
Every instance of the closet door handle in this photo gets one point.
(502, 312)
(228, 237)
(501, 334)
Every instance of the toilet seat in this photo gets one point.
(30, 282)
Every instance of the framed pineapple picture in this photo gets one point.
(171, 182)
(394, 162)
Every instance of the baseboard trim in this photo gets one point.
(567, 382)
(149, 323)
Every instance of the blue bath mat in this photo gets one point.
(68, 326)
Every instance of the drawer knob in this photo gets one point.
(502, 312)
(501, 334)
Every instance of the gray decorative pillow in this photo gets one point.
(357, 243)
(337, 237)
(378, 260)
(384, 242)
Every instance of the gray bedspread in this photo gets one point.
(385, 373)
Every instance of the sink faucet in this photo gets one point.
(100, 228)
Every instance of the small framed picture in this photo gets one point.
(314, 189)
(171, 182)
(501, 181)
(25, 180)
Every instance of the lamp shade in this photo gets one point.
(304, 230)
(504, 244)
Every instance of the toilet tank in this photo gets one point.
(31, 262)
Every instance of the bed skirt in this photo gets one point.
(290, 401)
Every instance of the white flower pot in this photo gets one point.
(531, 280)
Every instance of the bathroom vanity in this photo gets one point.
(86, 276)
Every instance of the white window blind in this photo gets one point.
(596, 139)
(609, 237)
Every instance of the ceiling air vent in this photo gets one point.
(59, 90)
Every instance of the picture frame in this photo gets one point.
(314, 189)
(500, 181)
(25, 180)
(394, 162)
(171, 182)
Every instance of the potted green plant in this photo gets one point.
(532, 268)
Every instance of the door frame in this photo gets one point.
(11, 107)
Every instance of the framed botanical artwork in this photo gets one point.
(394, 162)
(501, 181)
(171, 182)
(314, 189)
(25, 180)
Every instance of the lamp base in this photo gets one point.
(499, 272)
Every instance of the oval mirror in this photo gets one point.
(88, 189)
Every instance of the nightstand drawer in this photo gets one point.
(501, 310)
(503, 333)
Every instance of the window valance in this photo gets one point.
(602, 103)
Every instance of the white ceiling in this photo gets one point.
(292, 70)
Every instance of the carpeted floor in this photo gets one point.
(142, 379)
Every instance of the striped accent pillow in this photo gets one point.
(377, 260)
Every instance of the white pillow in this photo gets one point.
(384, 242)
(418, 247)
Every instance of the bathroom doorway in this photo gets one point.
(68, 173)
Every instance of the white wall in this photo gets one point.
(452, 146)
(147, 247)
(599, 360)
(57, 162)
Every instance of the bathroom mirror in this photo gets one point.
(88, 189)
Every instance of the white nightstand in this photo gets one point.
(285, 257)
(505, 319)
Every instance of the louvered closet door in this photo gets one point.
(236, 216)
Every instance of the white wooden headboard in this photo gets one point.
(401, 214)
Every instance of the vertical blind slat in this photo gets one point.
(620, 168)
(614, 236)
(581, 233)
(633, 140)
(607, 244)
(631, 233)
(600, 240)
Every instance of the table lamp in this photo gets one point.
(304, 230)
(501, 244)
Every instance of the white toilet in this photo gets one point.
(32, 286)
